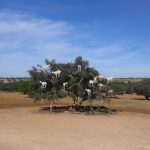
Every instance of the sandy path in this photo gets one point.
(27, 129)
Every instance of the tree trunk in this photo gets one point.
(91, 108)
(51, 106)
(147, 97)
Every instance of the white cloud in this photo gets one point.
(21, 31)
(27, 40)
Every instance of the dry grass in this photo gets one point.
(130, 96)
(126, 102)
(15, 99)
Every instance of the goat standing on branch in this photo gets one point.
(91, 82)
(43, 85)
(98, 78)
(109, 79)
(100, 86)
(56, 73)
(79, 67)
(65, 85)
(110, 93)
(88, 93)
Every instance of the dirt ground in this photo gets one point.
(26, 128)
(15, 99)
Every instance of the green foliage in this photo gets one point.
(143, 88)
(16, 86)
(34, 95)
(130, 87)
(8, 87)
(118, 87)
(77, 80)
(23, 86)
(122, 87)
(62, 94)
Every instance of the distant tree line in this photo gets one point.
(18, 86)
(140, 88)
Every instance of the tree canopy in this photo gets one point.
(76, 80)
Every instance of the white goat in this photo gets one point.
(91, 82)
(56, 73)
(64, 85)
(109, 95)
(110, 91)
(79, 67)
(88, 92)
(95, 79)
(100, 86)
(43, 85)
(98, 78)
(109, 79)
(46, 68)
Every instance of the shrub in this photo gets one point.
(19, 86)
(118, 87)
(143, 88)
(23, 86)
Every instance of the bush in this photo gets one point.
(8, 87)
(20, 86)
(118, 87)
(143, 88)
(130, 87)
(23, 86)
(62, 94)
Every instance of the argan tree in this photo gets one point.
(76, 75)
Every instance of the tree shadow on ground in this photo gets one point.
(80, 109)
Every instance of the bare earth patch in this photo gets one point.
(28, 129)
(24, 127)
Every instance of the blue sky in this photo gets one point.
(114, 35)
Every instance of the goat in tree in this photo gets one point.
(100, 86)
(89, 94)
(109, 79)
(91, 82)
(56, 73)
(106, 97)
(43, 85)
(65, 85)
(98, 78)
(110, 92)
(95, 79)
(79, 67)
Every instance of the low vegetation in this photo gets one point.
(17, 86)
(143, 88)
